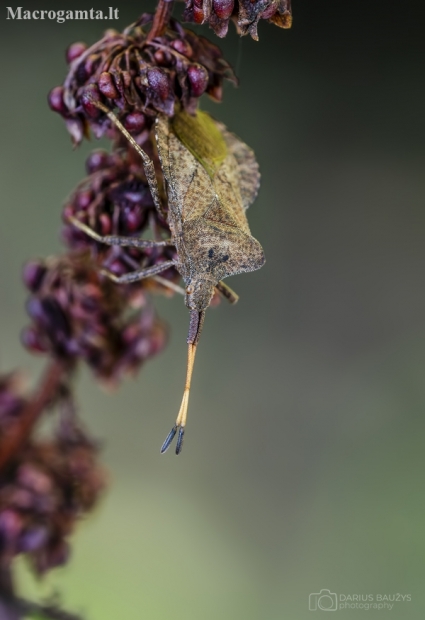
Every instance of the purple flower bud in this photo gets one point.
(198, 78)
(68, 212)
(55, 319)
(223, 8)
(33, 539)
(133, 220)
(182, 47)
(135, 121)
(160, 57)
(91, 63)
(105, 224)
(84, 199)
(35, 309)
(107, 86)
(159, 82)
(97, 160)
(198, 13)
(33, 274)
(10, 527)
(74, 51)
(55, 100)
(89, 97)
(33, 479)
(269, 11)
(117, 267)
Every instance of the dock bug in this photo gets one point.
(211, 178)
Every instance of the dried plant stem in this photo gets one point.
(160, 19)
(44, 394)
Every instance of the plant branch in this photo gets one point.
(43, 396)
(160, 19)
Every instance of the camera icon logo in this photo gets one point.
(325, 600)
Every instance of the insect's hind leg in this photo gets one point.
(140, 274)
(147, 162)
(227, 292)
(116, 239)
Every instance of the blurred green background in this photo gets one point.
(304, 456)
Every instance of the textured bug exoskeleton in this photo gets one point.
(211, 179)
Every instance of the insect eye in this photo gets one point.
(189, 290)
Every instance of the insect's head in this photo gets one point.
(199, 292)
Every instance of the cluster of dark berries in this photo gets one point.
(139, 77)
(45, 489)
(77, 314)
(115, 200)
(245, 13)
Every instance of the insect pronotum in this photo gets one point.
(211, 179)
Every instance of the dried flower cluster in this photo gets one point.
(115, 199)
(245, 13)
(138, 76)
(47, 485)
(78, 314)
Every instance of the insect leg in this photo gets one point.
(147, 162)
(227, 292)
(140, 274)
(116, 239)
(171, 285)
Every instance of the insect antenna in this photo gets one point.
(195, 328)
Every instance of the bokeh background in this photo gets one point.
(304, 459)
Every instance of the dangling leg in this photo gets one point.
(147, 162)
(171, 285)
(195, 328)
(116, 239)
(140, 274)
(227, 292)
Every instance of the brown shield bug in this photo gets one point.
(211, 179)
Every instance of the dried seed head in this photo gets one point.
(159, 82)
(245, 13)
(97, 160)
(198, 79)
(135, 122)
(134, 75)
(107, 85)
(90, 95)
(223, 8)
(56, 102)
(78, 314)
(115, 199)
(33, 275)
(74, 51)
(46, 489)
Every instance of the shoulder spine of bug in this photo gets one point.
(212, 177)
